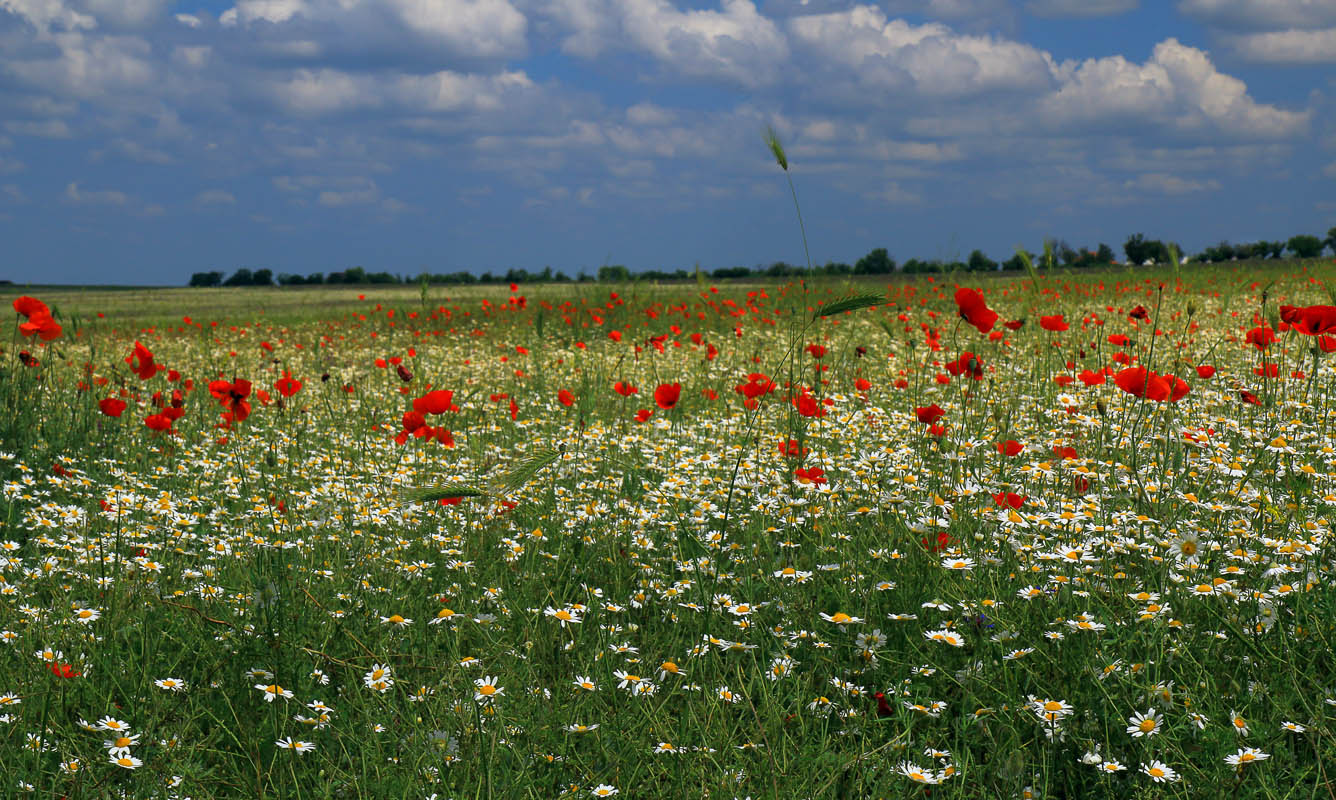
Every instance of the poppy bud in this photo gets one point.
(1101, 407)
(404, 374)
(324, 377)
(1192, 308)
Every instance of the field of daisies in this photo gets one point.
(1041, 536)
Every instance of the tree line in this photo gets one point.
(1137, 250)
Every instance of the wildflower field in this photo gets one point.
(1052, 535)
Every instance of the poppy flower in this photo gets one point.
(1119, 340)
(1326, 344)
(808, 406)
(233, 397)
(63, 670)
(883, 708)
(966, 364)
(937, 429)
(1054, 323)
(972, 308)
(930, 414)
(666, 396)
(1205, 371)
(1092, 378)
(816, 350)
(38, 319)
(436, 402)
(1064, 452)
(1313, 320)
(792, 449)
(1248, 397)
(1270, 371)
(1014, 325)
(1009, 500)
(158, 422)
(141, 362)
(111, 406)
(1010, 447)
(643, 415)
(566, 398)
(862, 384)
(1139, 312)
(624, 389)
(812, 476)
(1140, 382)
(1261, 337)
(287, 386)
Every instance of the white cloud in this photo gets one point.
(930, 59)
(1162, 183)
(736, 42)
(472, 28)
(134, 151)
(1287, 47)
(109, 197)
(1178, 87)
(215, 197)
(127, 13)
(326, 91)
(13, 194)
(1262, 14)
(1080, 8)
(42, 129)
(47, 14)
(89, 66)
(650, 114)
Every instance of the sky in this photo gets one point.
(144, 140)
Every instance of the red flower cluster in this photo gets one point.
(38, 316)
(1310, 320)
(1141, 382)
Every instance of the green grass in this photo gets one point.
(285, 550)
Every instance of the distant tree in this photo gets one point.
(981, 263)
(1139, 250)
(1306, 246)
(546, 275)
(561, 277)
(214, 278)
(1105, 254)
(1066, 253)
(614, 272)
(833, 268)
(241, 277)
(262, 277)
(729, 272)
(517, 276)
(877, 262)
(1331, 239)
(584, 277)
(382, 278)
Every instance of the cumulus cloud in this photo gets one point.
(215, 197)
(736, 43)
(1165, 184)
(1287, 47)
(1262, 14)
(1080, 8)
(82, 197)
(1178, 87)
(42, 129)
(325, 91)
(929, 59)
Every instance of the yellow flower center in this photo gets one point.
(1147, 725)
(487, 690)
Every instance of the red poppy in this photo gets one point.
(862, 384)
(287, 385)
(1141, 382)
(141, 362)
(883, 708)
(757, 384)
(816, 350)
(1064, 452)
(1313, 320)
(792, 449)
(972, 308)
(1014, 325)
(404, 374)
(1119, 340)
(233, 397)
(967, 364)
(930, 414)
(1010, 447)
(667, 394)
(1092, 378)
(616, 336)
(158, 422)
(1009, 500)
(811, 475)
(937, 430)
(1248, 397)
(1270, 371)
(643, 415)
(808, 406)
(63, 670)
(566, 398)
(1139, 312)
(437, 402)
(1205, 371)
(111, 406)
(1261, 337)
(39, 321)
(1326, 344)
(1053, 323)
(624, 389)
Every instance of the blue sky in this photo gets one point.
(143, 140)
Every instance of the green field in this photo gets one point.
(679, 540)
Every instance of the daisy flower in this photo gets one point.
(86, 615)
(945, 636)
(120, 746)
(487, 689)
(563, 615)
(1112, 766)
(1160, 772)
(395, 619)
(583, 682)
(288, 743)
(916, 773)
(1147, 724)
(1293, 727)
(126, 762)
(1246, 755)
(603, 790)
(840, 618)
(171, 684)
(1239, 723)
(272, 691)
(113, 725)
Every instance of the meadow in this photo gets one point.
(1065, 534)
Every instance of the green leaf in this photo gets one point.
(850, 303)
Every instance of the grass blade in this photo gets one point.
(850, 303)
